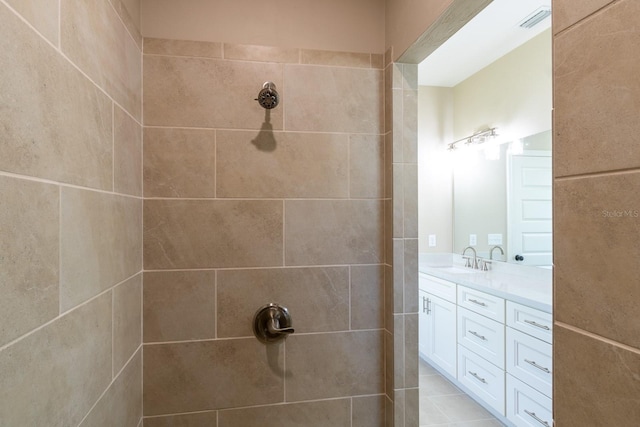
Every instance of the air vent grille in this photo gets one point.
(536, 17)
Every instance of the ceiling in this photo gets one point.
(494, 32)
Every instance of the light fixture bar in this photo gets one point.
(477, 138)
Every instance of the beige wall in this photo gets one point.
(435, 204)
(596, 213)
(337, 25)
(71, 215)
(512, 94)
(244, 207)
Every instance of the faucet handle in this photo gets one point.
(467, 261)
(485, 265)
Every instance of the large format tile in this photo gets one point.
(567, 12)
(127, 320)
(317, 298)
(596, 226)
(42, 14)
(28, 256)
(55, 123)
(595, 382)
(344, 99)
(121, 405)
(368, 411)
(127, 154)
(55, 375)
(96, 40)
(341, 59)
(198, 419)
(179, 162)
(282, 164)
(246, 52)
(203, 375)
(334, 413)
(366, 166)
(100, 243)
(367, 296)
(460, 407)
(182, 48)
(179, 305)
(334, 365)
(210, 93)
(595, 101)
(333, 232)
(216, 233)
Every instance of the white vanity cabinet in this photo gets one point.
(437, 317)
(529, 366)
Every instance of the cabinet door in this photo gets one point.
(440, 333)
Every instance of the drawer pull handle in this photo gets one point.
(535, 365)
(478, 377)
(478, 335)
(537, 325)
(424, 304)
(538, 419)
(475, 301)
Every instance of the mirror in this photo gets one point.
(503, 198)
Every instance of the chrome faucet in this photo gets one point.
(491, 251)
(468, 259)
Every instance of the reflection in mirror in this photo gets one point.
(504, 200)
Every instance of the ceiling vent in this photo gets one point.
(536, 17)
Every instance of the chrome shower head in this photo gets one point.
(268, 96)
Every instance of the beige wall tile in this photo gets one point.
(398, 408)
(200, 419)
(388, 411)
(397, 118)
(388, 165)
(410, 278)
(398, 200)
(388, 298)
(412, 407)
(567, 12)
(398, 275)
(312, 371)
(204, 375)
(388, 231)
(377, 61)
(410, 197)
(95, 39)
(594, 382)
(344, 99)
(28, 256)
(121, 405)
(596, 225)
(336, 412)
(179, 162)
(410, 126)
(333, 232)
(282, 164)
(317, 298)
(204, 234)
(179, 305)
(340, 59)
(129, 13)
(127, 154)
(55, 375)
(367, 297)
(388, 99)
(127, 320)
(100, 243)
(56, 124)
(261, 53)
(398, 351)
(182, 48)
(388, 362)
(42, 14)
(368, 411)
(595, 108)
(366, 166)
(210, 93)
(411, 350)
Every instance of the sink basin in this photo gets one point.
(455, 270)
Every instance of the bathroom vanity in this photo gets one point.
(490, 333)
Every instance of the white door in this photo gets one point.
(441, 333)
(530, 210)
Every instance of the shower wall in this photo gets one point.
(70, 214)
(245, 206)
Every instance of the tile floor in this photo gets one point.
(444, 405)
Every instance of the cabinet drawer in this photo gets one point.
(482, 336)
(482, 303)
(484, 379)
(530, 321)
(438, 287)
(530, 360)
(527, 407)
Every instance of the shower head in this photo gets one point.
(268, 96)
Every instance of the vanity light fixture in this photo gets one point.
(476, 139)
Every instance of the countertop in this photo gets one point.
(530, 286)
